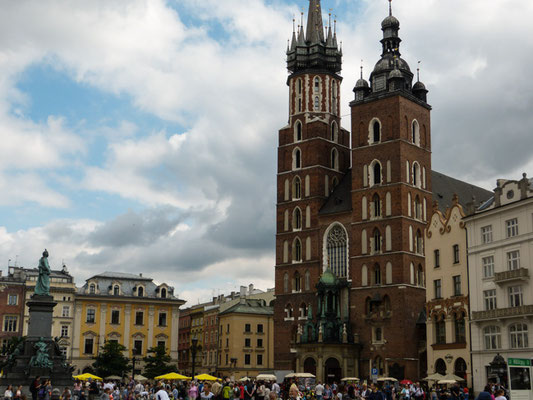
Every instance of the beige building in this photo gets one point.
(129, 309)
(448, 347)
(246, 338)
(63, 289)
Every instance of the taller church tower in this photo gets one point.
(313, 156)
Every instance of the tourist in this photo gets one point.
(161, 394)
(293, 392)
(34, 387)
(319, 391)
(8, 394)
(216, 389)
(206, 394)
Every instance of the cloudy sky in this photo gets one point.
(140, 135)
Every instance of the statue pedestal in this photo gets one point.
(20, 370)
(41, 314)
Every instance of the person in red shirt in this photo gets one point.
(241, 387)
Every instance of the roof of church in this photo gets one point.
(443, 186)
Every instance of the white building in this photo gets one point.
(500, 254)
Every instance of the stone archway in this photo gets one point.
(440, 366)
(460, 368)
(332, 371)
(310, 365)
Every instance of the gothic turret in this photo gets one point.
(313, 50)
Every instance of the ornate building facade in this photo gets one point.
(448, 330)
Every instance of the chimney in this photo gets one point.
(250, 288)
(243, 291)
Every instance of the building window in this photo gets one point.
(285, 283)
(488, 266)
(518, 335)
(115, 317)
(247, 342)
(377, 205)
(64, 331)
(334, 160)
(137, 347)
(297, 282)
(337, 250)
(377, 173)
(88, 346)
(91, 313)
(512, 227)
(515, 296)
(437, 258)
(486, 234)
(259, 328)
(259, 359)
(489, 298)
(92, 288)
(116, 290)
(12, 300)
(419, 243)
(513, 260)
(296, 159)
(66, 311)
(457, 285)
(260, 343)
(415, 132)
(440, 330)
(297, 219)
(227, 359)
(456, 254)
(296, 188)
(297, 250)
(437, 284)
(163, 293)
(376, 132)
(418, 208)
(162, 319)
(10, 323)
(161, 343)
(377, 241)
(298, 132)
(247, 328)
(317, 103)
(377, 275)
(493, 339)
(459, 328)
(247, 359)
(307, 278)
(139, 318)
(334, 134)
(140, 291)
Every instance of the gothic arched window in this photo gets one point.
(298, 132)
(334, 132)
(317, 103)
(376, 132)
(337, 250)
(376, 276)
(297, 159)
(377, 205)
(297, 219)
(317, 84)
(286, 283)
(377, 173)
(296, 188)
(334, 159)
(297, 250)
(377, 241)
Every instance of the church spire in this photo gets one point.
(315, 27)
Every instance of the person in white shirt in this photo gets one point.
(161, 394)
(319, 391)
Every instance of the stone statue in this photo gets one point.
(41, 359)
(42, 288)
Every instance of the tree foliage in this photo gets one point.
(111, 360)
(157, 362)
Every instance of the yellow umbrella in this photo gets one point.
(172, 376)
(206, 377)
(86, 376)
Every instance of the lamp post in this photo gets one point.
(133, 361)
(194, 349)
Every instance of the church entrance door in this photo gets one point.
(333, 372)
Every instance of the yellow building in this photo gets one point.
(448, 336)
(127, 308)
(246, 339)
(62, 289)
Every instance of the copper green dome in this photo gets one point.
(328, 278)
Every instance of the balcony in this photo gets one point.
(500, 313)
(520, 274)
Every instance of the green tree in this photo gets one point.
(111, 360)
(157, 362)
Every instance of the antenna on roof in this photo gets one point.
(418, 72)
(361, 69)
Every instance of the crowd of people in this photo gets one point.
(41, 389)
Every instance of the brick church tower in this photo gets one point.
(351, 219)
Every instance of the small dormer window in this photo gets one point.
(163, 293)
(92, 288)
(116, 290)
(140, 291)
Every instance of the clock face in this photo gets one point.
(510, 194)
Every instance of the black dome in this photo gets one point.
(390, 22)
(419, 86)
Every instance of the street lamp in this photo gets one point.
(194, 349)
(133, 361)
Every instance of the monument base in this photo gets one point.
(23, 365)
